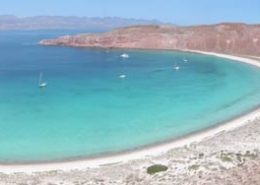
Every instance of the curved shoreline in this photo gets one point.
(152, 150)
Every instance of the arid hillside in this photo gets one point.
(232, 38)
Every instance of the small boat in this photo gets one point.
(43, 85)
(40, 83)
(185, 60)
(176, 67)
(122, 76)
(124, 55)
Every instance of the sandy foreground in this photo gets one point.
(226, 154)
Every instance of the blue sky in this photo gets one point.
(182, 12)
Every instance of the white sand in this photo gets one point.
(142, 153)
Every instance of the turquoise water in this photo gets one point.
(87, 110)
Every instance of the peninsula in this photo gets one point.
(228, 38)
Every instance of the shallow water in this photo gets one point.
(87, 110)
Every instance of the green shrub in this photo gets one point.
(156, 168)
(194, 167)
(226, 159)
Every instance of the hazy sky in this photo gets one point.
(183, 12)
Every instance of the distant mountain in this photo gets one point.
(11, 22)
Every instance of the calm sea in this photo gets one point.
(87, 110)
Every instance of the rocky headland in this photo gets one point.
(231, 38)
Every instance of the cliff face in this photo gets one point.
(230, 38)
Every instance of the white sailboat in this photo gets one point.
(124, 55)
(176, 67)
(122, 76)
(40, 83)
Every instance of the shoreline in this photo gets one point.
(152, 150)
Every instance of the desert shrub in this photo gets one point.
(156, 168)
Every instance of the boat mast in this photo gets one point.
(40, 78)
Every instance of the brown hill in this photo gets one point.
(233, 38)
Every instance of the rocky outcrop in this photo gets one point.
(232, 38)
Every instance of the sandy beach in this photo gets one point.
(225, 154)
